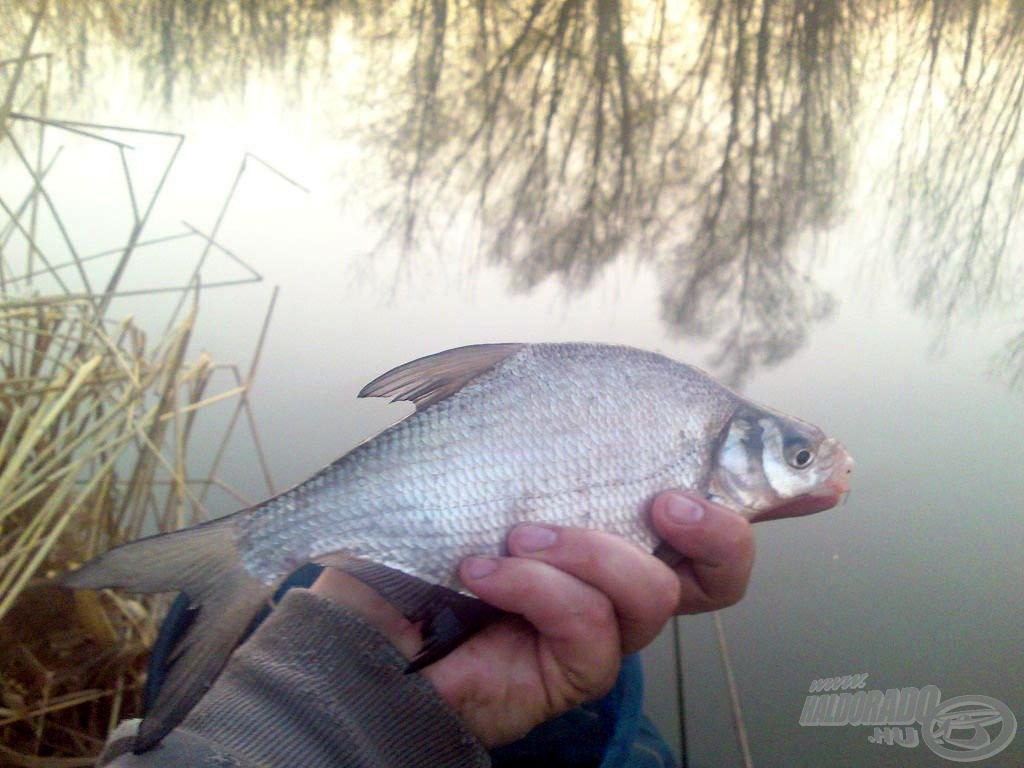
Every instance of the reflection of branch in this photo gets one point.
(961, 190)
(574, 158)
(207, 46)
(781, 170)
(578, 132)
(959, 193)
(560, 192)
(544, 135)
(1011, 362)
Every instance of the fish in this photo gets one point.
(573, 434)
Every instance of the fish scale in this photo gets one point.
(438, 485)
(569, 434)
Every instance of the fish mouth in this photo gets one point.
(834, 490)
(807, 504)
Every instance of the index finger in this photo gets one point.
(717, 548)
(642, 591)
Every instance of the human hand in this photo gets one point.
(578, 600)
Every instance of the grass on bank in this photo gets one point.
(96, 422)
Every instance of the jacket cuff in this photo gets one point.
(316, 686)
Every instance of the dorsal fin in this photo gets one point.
(430, 379)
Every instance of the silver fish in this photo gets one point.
(571, 434)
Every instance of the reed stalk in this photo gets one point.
(96, 421)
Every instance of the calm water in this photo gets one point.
(817, 205)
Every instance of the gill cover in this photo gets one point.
(766, 460)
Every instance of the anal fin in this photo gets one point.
(669, 556)
(455, 618)
(448, 618)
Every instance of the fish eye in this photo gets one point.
(799, 454)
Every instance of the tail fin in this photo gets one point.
(204, 563)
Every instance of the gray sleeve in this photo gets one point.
(313, 687)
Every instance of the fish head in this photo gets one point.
(770, 466)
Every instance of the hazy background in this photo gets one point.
(817, 202)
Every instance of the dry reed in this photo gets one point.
(84, 415)
(95, 421)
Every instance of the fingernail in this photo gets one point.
(479, 567)
(533, 538)
(683, 510)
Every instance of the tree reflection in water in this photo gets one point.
(958, 167)
(583, 133)
(705, 140)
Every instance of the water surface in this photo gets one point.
(817, 203)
